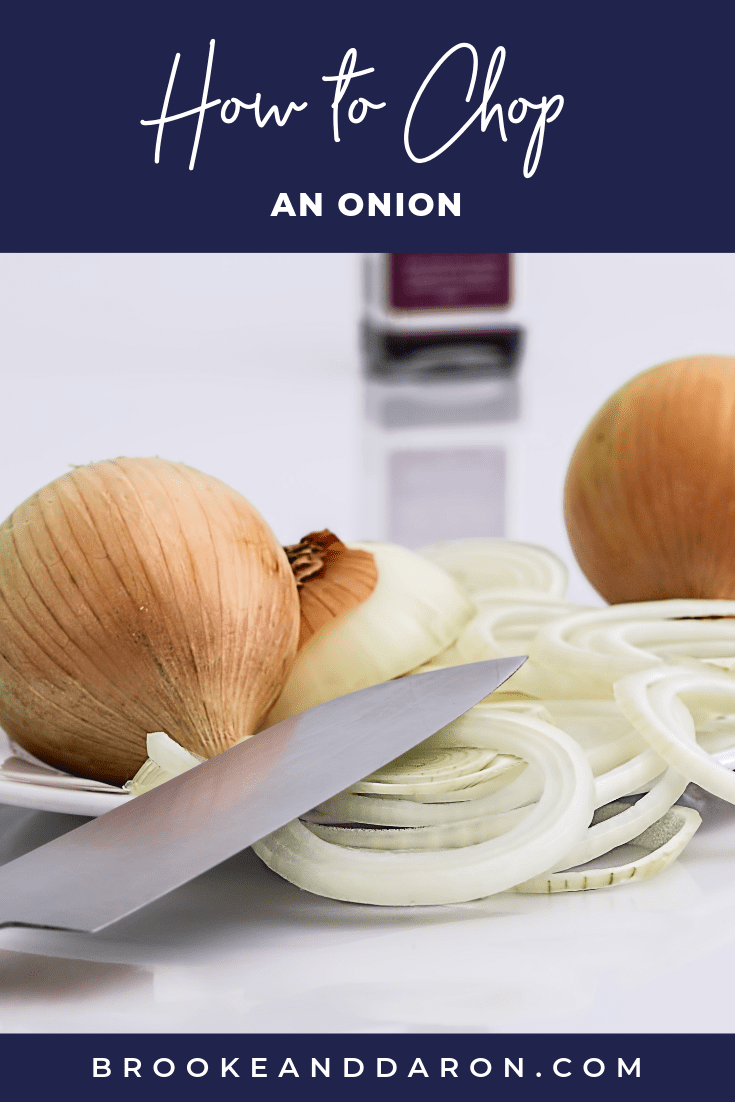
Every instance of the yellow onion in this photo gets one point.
(650, 492)
(139, 595)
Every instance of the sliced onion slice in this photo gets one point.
(600, 646)
(436, 774)
(166, 759)
(452, 835)
(549, 829)
(519, 786)
(492, 564)
(601, 729)
(503, 628)
(606, 833)
(663, 842)
(650, 700)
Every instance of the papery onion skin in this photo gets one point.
(331, 578)
(650, 491)
(139, 595)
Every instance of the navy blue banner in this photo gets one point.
(391, 126)
(390, 1066)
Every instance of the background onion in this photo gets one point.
(650, 492)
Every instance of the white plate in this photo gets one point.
(55, 791)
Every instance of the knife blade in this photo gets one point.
(132, 855)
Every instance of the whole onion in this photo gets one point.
(139, 595)
(650, 492)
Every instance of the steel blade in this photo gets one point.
(139, 851)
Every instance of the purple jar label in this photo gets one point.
(448, 281)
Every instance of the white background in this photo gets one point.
(247, 366)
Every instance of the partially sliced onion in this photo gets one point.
(168, 755)
(451, 876)
(415, 611)
(662, 843)
(498, 564)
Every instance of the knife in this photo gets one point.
(132, 855)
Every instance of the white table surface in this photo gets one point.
(240, 950)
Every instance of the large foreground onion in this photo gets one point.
(139, 595)
(650, 493)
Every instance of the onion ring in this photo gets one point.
(650, 700)
(550, 828)
(664, 841)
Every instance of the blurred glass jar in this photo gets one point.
(441, 346)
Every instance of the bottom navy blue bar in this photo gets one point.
(461, 1066)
